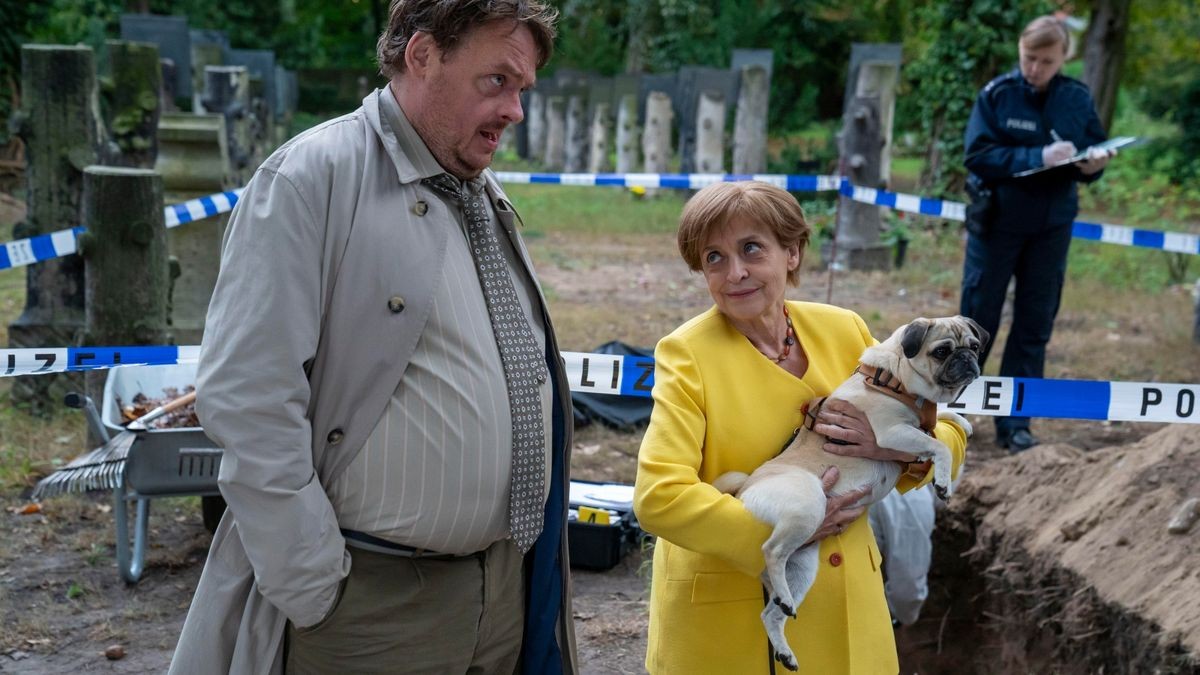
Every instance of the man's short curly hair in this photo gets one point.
(450, 21)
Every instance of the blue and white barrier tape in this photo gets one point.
(36, 249)
(61, 243)
(57, 244)
(634, 376)
(682, 181)
(1178, 242)
(204, 207)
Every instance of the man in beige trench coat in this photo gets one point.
(351, 373)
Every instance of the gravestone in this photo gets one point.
(753, 68)
(130, 103)
(710, 132)
(194, 162)
(535, 125)
(227, 91)
(555, 155)
(693, 80)
(125, 255)
(600, 95)
(625, 97)
(62, 132)
(171, 35)
(208, 49)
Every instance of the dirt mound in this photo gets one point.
(1059, 560)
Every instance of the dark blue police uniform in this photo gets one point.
(1029, 233)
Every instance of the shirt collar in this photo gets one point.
(413, 149)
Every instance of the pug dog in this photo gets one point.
(898, 385)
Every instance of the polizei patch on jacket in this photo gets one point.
(1027, 125)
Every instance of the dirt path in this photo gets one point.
(62, 603)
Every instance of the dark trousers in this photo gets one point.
(1038, 261)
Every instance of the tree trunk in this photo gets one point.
(132, 104)
(710, 132)
(750, 122)
(60, 126)
(125, 251)
(1104, 54)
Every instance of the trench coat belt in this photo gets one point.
(366, 542)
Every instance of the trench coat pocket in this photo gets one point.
(708, 587)
(337, 603)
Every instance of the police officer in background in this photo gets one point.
(1020, 227)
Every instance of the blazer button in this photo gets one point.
(335, 437)
(421, 208)
(396, 304)
(835, 559)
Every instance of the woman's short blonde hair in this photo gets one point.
(717, 205)
(1046, 31)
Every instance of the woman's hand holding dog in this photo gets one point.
(844, 422)
(839, 509)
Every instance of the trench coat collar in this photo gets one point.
(400, 140)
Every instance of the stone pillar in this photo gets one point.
(166, 95)
(556, 132)
(204, 54)
(858, 224)
(576, 133)
(60, 126)
(627, 143)
(656, 137)
(710, 132)
(535, 123)
(194, 162)
(125, 255)
(598, 142)
(227, 91)
(131, 103)
(750, 122)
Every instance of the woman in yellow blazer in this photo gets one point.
(729, 386)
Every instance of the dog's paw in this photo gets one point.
(787, 609)
(787, 661)
(943, 491)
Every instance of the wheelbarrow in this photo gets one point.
(174, 462)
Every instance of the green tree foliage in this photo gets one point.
(963, 45)
(810, 40)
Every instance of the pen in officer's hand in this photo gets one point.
(1055, 136)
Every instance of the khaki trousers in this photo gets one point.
(419, 615)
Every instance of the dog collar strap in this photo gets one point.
(811, 410)
(885, 382)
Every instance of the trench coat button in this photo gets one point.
(421, 208)
(335, 437)
(835, 559)
(396, 304)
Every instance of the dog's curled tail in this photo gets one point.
(731, 482)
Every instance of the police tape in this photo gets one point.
(680, 181)
(1177, 242)
(622, 375)
(22, 252)
(204, 207)
(36, 249)
(57, 244)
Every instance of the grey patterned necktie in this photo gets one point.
(524, 367)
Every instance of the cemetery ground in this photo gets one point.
(1054, 561)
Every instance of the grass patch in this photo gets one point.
(594, 210)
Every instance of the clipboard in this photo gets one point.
(1110, 144)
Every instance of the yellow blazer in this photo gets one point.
(720, 405)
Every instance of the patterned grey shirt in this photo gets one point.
(434, 473)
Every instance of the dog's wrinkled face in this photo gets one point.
(944, 352)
